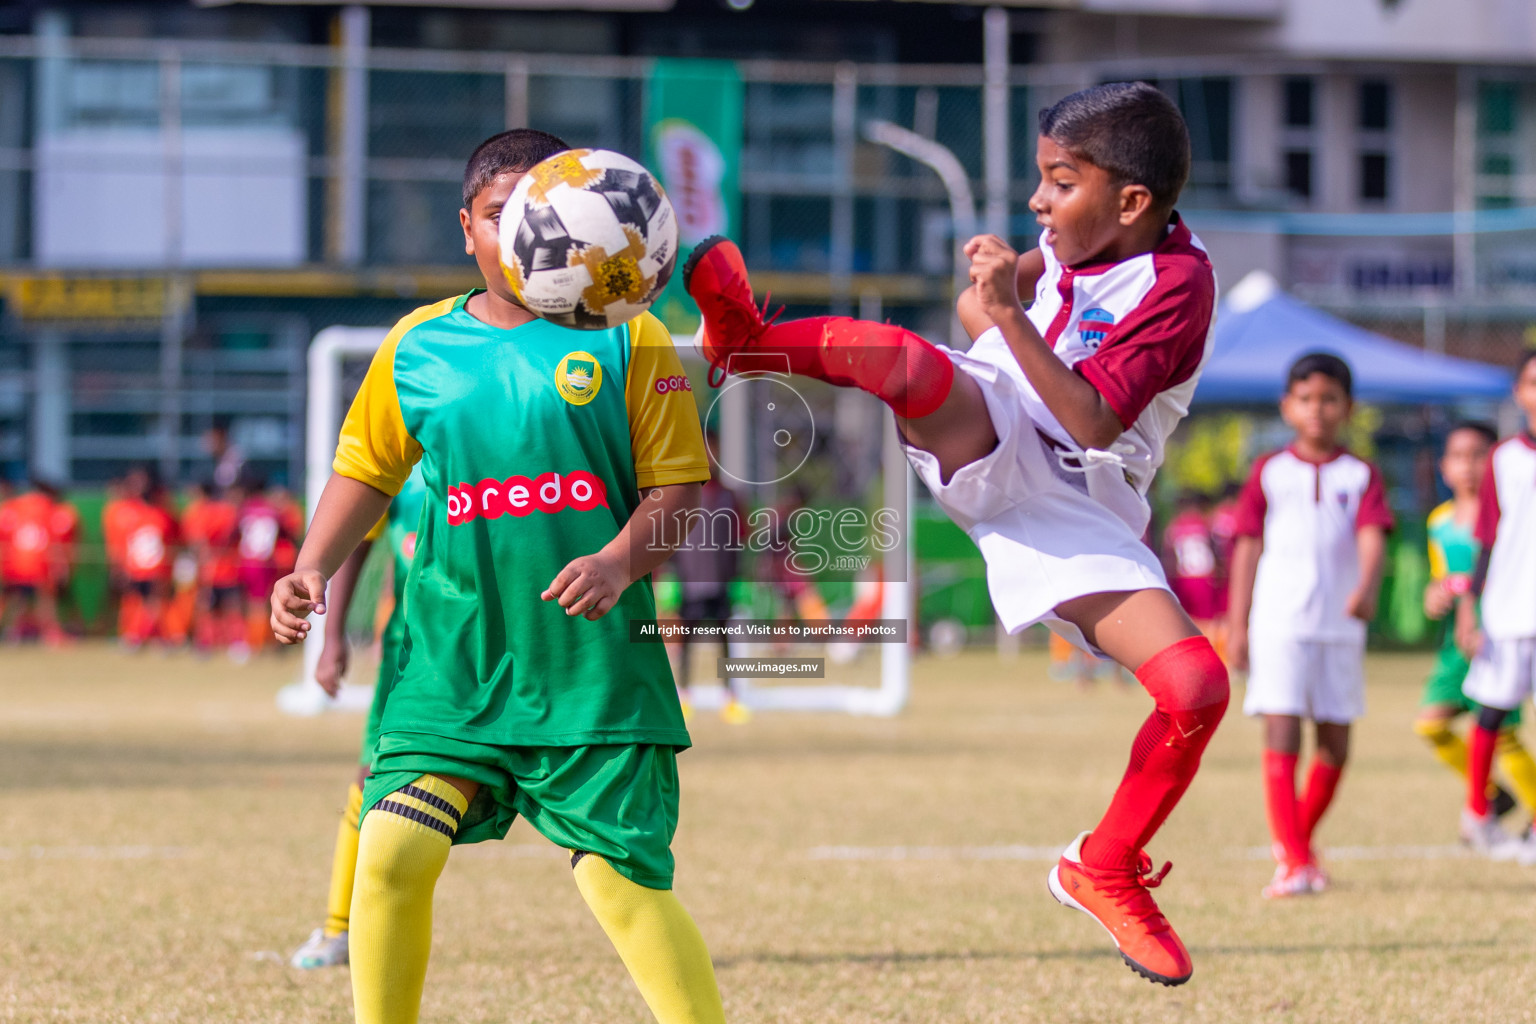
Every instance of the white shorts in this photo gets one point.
(1503, 673)
(1323, 680)
(1044, 539)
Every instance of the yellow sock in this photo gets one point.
(1450, 748)
(402, 848)
(338, 906)
(657, 941)
(1517, 766)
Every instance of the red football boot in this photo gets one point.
(891, 363)
(716, 277)
(1119, 901)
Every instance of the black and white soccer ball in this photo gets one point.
(588, 239)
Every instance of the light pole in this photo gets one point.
(962, 203)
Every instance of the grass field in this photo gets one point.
(165, 840)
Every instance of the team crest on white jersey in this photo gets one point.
(1094, 326)
(578, 377)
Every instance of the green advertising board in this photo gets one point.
(693, 113)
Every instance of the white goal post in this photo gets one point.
(325, 406)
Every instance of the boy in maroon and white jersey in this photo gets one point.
(1311, 543)
(1189, 553)
(1503, 593)
(1042, 440)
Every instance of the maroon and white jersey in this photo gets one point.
(1139, 331)
(1506, 528)
(1308, 515)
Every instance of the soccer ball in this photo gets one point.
(588, 239)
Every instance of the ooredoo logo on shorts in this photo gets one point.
(520, 496)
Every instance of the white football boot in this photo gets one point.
(320, 951)
(1289, 881)
(1487, 837)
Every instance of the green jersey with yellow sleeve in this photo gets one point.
(1453, 551)
(534, 445)
(1453, 547)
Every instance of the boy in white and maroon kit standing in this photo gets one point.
(1311, 542)
(1503, 589)
(1042, 440)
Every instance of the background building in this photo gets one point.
(188, 192)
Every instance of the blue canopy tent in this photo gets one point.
(1260, 331)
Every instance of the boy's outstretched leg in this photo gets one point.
(940, 411)
(657, 941)
(1106, 873)
(402, 848)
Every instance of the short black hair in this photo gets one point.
(1478, 427)
(1131, 129)
(1325, 363)
(510, 151)
(1524, 361)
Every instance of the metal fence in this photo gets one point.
(178, 218)
(260, 192)
(365, 150)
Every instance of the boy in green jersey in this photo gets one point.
(1453, 551)
(550, 458)
(327, 945)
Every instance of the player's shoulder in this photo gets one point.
(1441, 515)
(653, 362)
(647, 329)
(1359, 464)
(1511, 471)
(1517, 446)
(1274, 457)
(1182, 265)
(420, 317)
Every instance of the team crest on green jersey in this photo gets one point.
(578, 377)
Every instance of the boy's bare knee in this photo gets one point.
(1282, 733)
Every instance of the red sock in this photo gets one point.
(896, 366)
(1322, 781)
(1284, 810)
(1480, 743)
(1188, 682)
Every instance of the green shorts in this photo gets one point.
(1445, 681)
(616, 801)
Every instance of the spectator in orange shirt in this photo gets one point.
(148, 538)
(210, 527)
(36, 534)
(114, 525)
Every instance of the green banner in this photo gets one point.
(693, 113)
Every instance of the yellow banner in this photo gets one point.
(87, 298)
